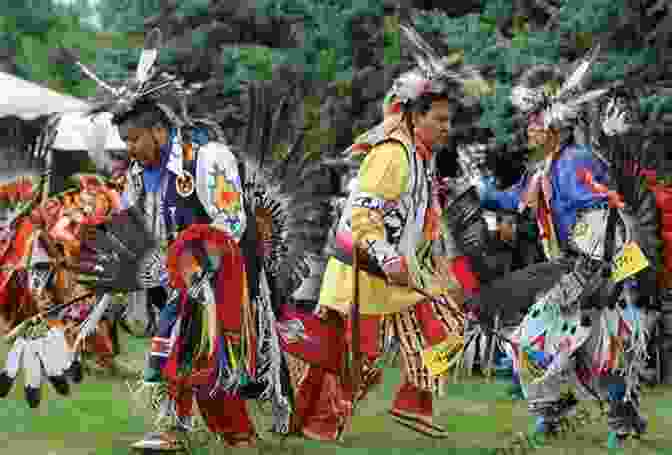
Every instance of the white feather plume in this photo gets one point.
(578, 77)
(410, 85)
(525, 98)
(430, 69)
(560, 113)
(425, 56)
(588, 97)
(566, 104)
(148, 57)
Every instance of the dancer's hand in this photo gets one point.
(616, 118)
(396, 271)
(506, 232)
(399, 279)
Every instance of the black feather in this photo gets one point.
(121, 248)
(75, 372)
(33, 396)
(60, 384)
(6, 383)
(627, 155)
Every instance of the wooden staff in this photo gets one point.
(356, 348)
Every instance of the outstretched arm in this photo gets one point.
(472, 158)
(492, 199)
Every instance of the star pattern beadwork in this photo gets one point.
(226, 191)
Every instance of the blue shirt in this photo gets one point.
(568, 194)
(176, 214)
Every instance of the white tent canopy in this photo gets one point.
(28, 101)
(94, 133)
(77, 131)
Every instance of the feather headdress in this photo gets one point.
(168, 92)
(148, 86)
(432, 74)
(558, 106)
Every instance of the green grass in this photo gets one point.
(100, 419)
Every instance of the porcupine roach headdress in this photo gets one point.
(552, 103)
(432, 74)
(168, 92)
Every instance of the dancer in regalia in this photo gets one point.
(585, 327)
(62, 217)
(41, 303)
(187, 230)
(408, 291)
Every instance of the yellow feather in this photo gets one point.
(232, 356)
(205, 332)
(212, 326)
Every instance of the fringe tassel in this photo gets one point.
(204, 343)
(269, 361)
(230, 371)
(223, 370)
(152, 395)
(529, 372)
(639, 352)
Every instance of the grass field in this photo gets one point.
(99, 419)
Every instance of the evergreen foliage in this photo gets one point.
(34, 26)
(129, 15)
(30, 31)
(475, 34)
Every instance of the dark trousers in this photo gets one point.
(512, 294)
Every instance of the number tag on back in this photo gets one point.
(628, 262)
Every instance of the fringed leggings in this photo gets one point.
(557, 398)
(225, 414)
(623, 416)
(605, 367)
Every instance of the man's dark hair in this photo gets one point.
(451, 92)
(143, 115)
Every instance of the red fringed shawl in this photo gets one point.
(231, 282)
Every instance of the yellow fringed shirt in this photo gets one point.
(384, 173)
